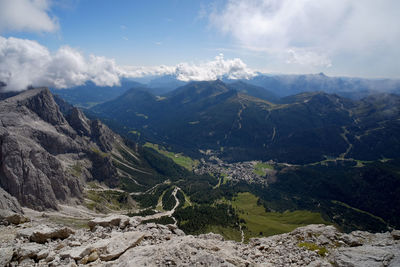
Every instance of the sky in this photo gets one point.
(68, 42)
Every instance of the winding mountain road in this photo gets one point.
(166, 213)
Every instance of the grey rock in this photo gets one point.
(212, 236)
(78, 253)
(29, 250)
(363, 256)
(38, 147)
(43, 254)
(157, 245)
(12, 217)
(107, 249)
(79, 122)
(351, 240)
(395, 234)
(41, 234)
(179, 232)
(6, 255)
(102, 135)
(114, 220)
(118, 244)
(42, 103)
(8, 202)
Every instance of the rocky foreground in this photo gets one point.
(119, 240)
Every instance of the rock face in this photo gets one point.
(111, 243)
(44, 158)
(8, 202)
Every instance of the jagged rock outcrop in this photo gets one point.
(102, 135)
(111, 243)
(44, 158)
(79, 122)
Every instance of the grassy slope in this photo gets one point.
(227, 232)
(270, 223)
(179, 159)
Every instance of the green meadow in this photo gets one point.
(258, 222)
(179, 159)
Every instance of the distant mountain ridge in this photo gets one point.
(264, 86)
(355, 88)
(90, 94)
(307, 127)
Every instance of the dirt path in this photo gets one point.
(343, 155)
(242, 233)
(151, 189)
(130, 167)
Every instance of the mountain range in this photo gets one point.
(238, 122)
(266, 86)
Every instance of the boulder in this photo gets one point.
(366, 256)
(120, 221)
(119, 243)
(29, 250)
(41, 234)
(107, 249)
(78, 253)
(351, 240)
(11, 217)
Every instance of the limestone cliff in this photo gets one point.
(45, 157)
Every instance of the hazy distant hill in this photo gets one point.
(89, 94)
(355, 88)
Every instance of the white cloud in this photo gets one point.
(212, 70)
(25, 62)
(314, 32)
(26, 15)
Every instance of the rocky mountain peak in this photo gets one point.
(41, 102)
(45, 158)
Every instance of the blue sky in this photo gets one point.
(337, 37)
(133, 32)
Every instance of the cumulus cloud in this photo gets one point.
(26, 63)
(26, 15)
(313, 32)
(212, 70)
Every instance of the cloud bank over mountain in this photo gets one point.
(27, 63)
(27, 15)
(316, 33)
